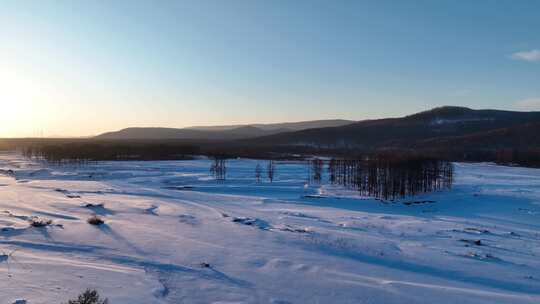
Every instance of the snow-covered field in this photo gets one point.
(173, 235)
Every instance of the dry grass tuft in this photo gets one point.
(89, 297)
(95, 220)
(39, 222)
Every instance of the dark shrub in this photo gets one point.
(89, 297)
(95, 220)
(39, 222)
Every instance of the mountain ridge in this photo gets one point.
(405, 131)
(226, 132)
(447, 126)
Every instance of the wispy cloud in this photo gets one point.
(531, 56)
(529, 104)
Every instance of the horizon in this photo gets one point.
(254, 124)
(79, 69)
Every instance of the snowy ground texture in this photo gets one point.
(173, 235)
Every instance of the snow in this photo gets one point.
(442, 121)
(173, 235)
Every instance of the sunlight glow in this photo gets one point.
(21, 98)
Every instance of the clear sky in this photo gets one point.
(76, 68)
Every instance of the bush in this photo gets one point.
(95, 220)
(89, 297)
(39, 222)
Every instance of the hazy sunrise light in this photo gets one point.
(66, 64)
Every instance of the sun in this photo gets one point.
(19, 95)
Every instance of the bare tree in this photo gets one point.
(258, 172)
(271, 169)
(389, 177)
(332, 170)
(218, 168)
(316, 169)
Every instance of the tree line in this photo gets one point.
(388, 178)
(88, 152)
(520, 157)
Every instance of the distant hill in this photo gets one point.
(438, 126)
(523, 136)
(171, 133)
(283, 127)
(219, 132)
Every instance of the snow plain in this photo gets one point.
(174, 235)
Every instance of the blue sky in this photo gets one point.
(84, 67)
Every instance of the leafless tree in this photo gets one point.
(271, 169)
(315, 170)
(390, 177)
(219, 168)
(258, 172)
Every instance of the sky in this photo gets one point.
(80, 68)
